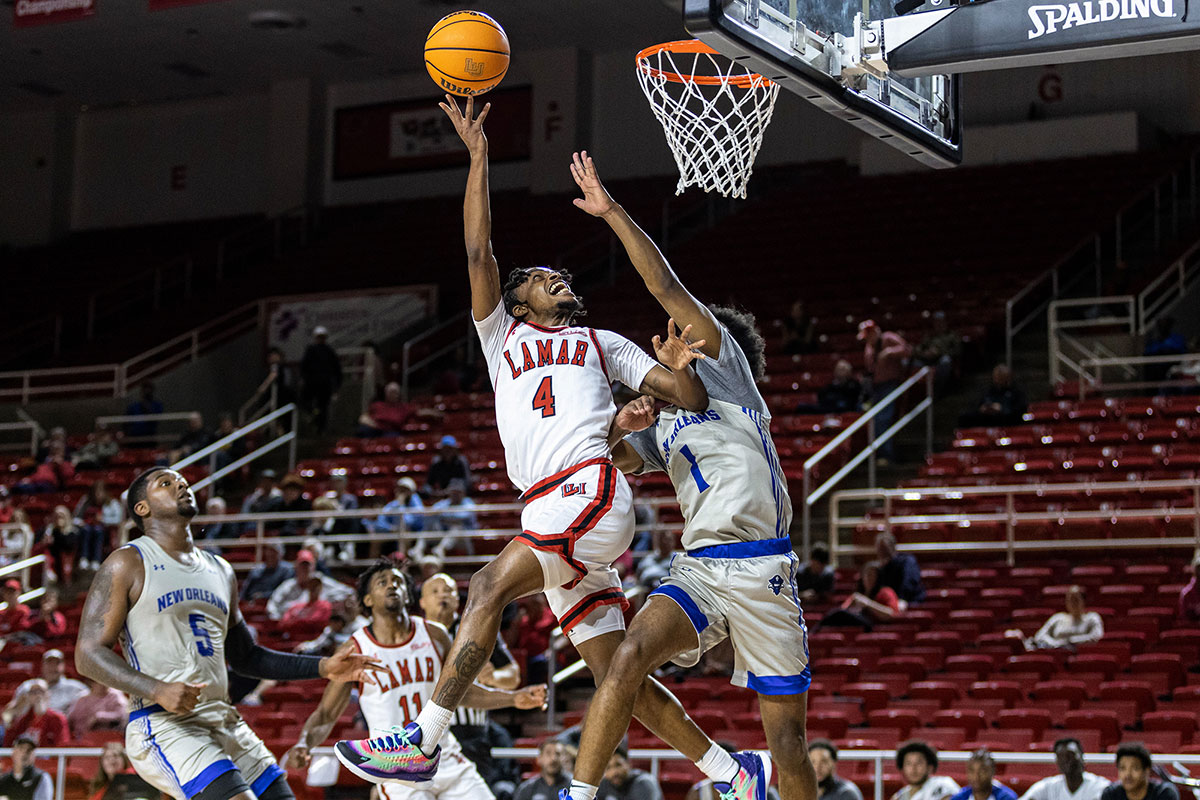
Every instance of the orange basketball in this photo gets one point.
(466, 53)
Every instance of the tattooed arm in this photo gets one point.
(480, 696)
(115, 589)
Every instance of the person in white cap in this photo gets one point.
(62, 691)
(322, 373)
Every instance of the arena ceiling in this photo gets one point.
(125, 54)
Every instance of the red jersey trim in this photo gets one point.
(546, 485)
(411, 633)
(600, 350)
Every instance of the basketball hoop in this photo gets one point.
(713, 111)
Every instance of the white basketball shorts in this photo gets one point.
(578, 522)
(746, 591)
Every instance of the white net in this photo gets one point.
(714, 113)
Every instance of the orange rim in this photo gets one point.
(746, 81)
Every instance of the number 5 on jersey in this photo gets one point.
(543, 398)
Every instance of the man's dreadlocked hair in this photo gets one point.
(517, 278)
(743, 327)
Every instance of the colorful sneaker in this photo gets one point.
(564, 794)
(395, 756)
(751, 780)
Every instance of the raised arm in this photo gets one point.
(319, 724)
(479, 696)
(482, 268)
(676, 382)
(647, 259)
(115, 588)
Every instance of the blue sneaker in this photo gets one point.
(751, 781)
(394, 756)
(564, 794)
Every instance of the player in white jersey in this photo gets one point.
(736, 578)
(173, 609)
(554, 411)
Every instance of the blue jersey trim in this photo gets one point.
(210, 774)
(162, 757)
(780, 684)
(754, 549)
(145, 712)
(271, 774)
(685, 601)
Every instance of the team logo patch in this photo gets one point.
(570, 489)
(776, 584)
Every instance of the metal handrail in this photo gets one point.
(407, 368)
(1056, 327)
(32, 427)
(1181, 273)
(1089, 381)
(1011, 517)
(874, 442)
(210, 452)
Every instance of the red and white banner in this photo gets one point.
(27, 13)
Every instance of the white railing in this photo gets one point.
(1066, 349)
(25, 560)
(1161, 294)
(25, 386)
(286, 437)
(28, 430)
(886, 500)
(875, 440)
(1091, 374)
(444, 331)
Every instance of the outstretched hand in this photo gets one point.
(637, 415)
(596, 200)
(676, 352)
(469, 127)
(347, 666)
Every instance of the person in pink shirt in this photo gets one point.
(101, 708)
(310, 611)
(33, 717)
(1189, 598)
(885, 356)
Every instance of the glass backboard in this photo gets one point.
(799, 44)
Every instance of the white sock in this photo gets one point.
(433, 722)
(717, 764)
(582, 791)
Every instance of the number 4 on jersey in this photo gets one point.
(543, 398)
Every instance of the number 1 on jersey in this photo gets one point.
(543, 398)
(701, 484)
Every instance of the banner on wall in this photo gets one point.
(159, 5)
(351, 319)
(411, 135)
(27, 13)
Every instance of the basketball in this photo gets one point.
(466, 53)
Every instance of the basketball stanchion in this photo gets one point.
(713, 110)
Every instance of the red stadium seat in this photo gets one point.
(1106, 723)
(1074, 692)
(1035, 719)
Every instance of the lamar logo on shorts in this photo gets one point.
(569, 489)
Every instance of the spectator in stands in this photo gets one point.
(343, 624)
(981, 783)
(216, 507)
(899, 571)
(309, 611)
(1001, 404)
(1133, 777)
(817, 580)
(292, 499)
(843, 394)
(654, 567)
(229, 453)
(321, 370)
(96, 514)
(64, 691)
(426, 567)
(1189, 597)
(102, 708)
(447, 465)
(141, 433)
(391, 520)
(939, 349)
(339, 491)
(31, 715)
(1071, 628)
(387, 417)
(455, 513)
(49, 623)
(195, 438)
(550, 778)
(799, 330)
(918, 762)
(622, 782)
(296, 587)
(99, 451)
(824, 755)
(61, 540)
(26, 781)
(51, 475)
(265, 578)
(57, 435)
(116, 780)
(266, 496)
(1164, 340)
(886, 358)
(871, 602)
(534, 624)
(17, 536)
(279, 381)
(16, 616)
(1072, 782)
